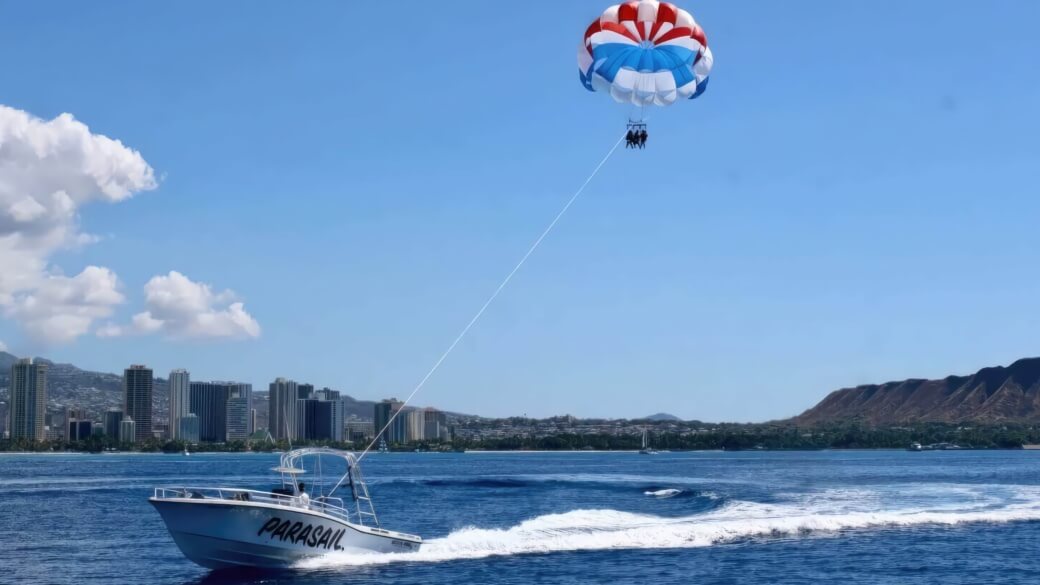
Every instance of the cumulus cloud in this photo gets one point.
(61, 308)
(182, 308)
(48, 170)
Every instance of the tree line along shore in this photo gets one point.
(730, 437)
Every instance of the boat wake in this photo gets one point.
(589, 530)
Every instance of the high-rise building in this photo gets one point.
(127, 430)
(78, 430)
(137, 401)
(112, 419)
(189, 428)
(384, 412)
(399, 429)
(282, 396)
(336, 411)
(415, 422)
(326, 394)
(28, 398)
(222, 409)
(208, 401)
(358, 431)
(435, 425)
(180, 399)
(319, 420)
(239, 409)
(307, 420)
(252, 421)
(304, 391)
(72, 418)
(97, 430)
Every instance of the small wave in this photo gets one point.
(479, 483)
(591, 530)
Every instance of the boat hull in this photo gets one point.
(220, 534)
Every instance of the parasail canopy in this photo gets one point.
(645, 53)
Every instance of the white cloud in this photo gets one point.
(3, 346)
(144, 323)
(48, 170)
(61, 308)
(181, 308)
(109, 330)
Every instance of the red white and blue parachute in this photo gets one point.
(645, 53)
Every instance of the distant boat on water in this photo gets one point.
(934, 447)
(646, 448)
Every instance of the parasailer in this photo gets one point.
(636, 135)
(645, 53)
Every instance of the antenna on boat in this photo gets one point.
(494, 295)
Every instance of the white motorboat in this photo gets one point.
(219, 527)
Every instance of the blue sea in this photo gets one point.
(707, 517)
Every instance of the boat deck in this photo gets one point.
(327, 505)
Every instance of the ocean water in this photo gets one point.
(762, 517)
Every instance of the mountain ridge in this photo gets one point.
(662, 417)
(990, 395)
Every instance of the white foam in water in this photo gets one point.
(666, 493)
(820, 512)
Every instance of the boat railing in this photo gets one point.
(326, 504)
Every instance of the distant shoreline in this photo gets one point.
(2, 453)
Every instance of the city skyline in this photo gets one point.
(198, 411)
(220, 413)
(181, 377)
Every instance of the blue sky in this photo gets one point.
(853, 200)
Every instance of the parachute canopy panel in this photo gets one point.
(645, 53)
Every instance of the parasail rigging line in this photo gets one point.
(494, 295)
